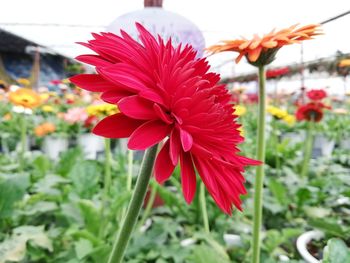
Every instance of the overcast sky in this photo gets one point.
(219, 19)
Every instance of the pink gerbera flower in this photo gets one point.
(165, 92)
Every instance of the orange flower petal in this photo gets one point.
(254, 54)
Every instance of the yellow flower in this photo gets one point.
(25, 97)
(48, 108)
(102, 110)
(276, 112)
(289, 119)
(239, 110)
(344, 63)
(23, 82)
(44, 96)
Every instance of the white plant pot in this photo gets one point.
(302, 242)
(91, 144)
(322, 146)
(53, 146)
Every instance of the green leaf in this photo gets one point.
(83, 247)
(39, 208)
(91, 215)
(317, 212)
(85, 176)
(41, 165)
(12, 190)
(14, 248)
(278, 190)
(205, 254)
(336, 251)
(48, 184)
(214, 244)
(328, 225)
(303, 195)
(68, 160)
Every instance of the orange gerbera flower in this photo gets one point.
(44, 129)
(25, 97)
(262, 50)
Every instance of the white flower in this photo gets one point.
(21, 109)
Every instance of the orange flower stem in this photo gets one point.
(134, 208)
(307, 149)
(259, 179)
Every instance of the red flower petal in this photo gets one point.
(188, 177)
(163, 166)
(161, 114)
(95, 60)
(186, 140)
(137, 108)
(148, 134)
(118, 76)
(174, 146)
(91, 82)
(116, 126)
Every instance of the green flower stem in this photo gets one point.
(258, 188)
(204, 208)
(134, 208)
(150, 203)
(106, 183)
(276, 142)
(23, 126)
(130, 167)
(128, 177)
(308, 148)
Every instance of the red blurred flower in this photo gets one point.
(56, 81)
(312, 111)
(316, 94)
(275, 73)
(251, 98)
(90, 122)
(164, 92)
